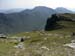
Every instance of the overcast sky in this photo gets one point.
(11, 4)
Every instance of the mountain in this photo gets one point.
(13, 10)
(26, 20)
(2, 11)
(62, 10)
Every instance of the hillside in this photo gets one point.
(38, 43)
(52, 42)
(26, 20)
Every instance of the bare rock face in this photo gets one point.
(51, 22)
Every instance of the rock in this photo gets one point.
(71, 45)
(44, 47)
(51, 22)
(45, 38)
(3, 36)
(20, 46)
(72, 41)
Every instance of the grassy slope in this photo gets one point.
(53, 40)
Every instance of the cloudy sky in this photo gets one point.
(11, 4)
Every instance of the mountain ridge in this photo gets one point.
(37, 7)
(62, 10)
(26, 20)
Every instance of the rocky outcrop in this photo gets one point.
(52, 22)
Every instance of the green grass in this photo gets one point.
(36, 41)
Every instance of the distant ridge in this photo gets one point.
(63, 10)
(17, 10)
